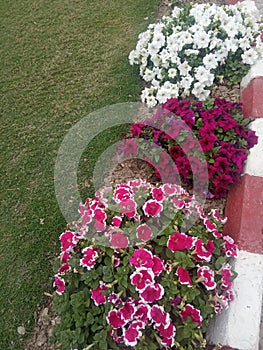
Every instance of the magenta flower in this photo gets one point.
(158, 194)
(166, 330)
(152, 293)
(142, 258)
(119, 240)
(179, 241)
(128, 208)
(168, 342)
(209, 225)
(64, 268)
(226, 277)
(97, 294)
(115, 319)
(116, 221)
(127, 310)
(183, 276)
(215, 214)
(142, 313)
(230, 248)
(193, 313)
(144, 232)
(89, 259)
(60, 284)
(152, 208)
(114, 299)
(141, 278)
(157, 267)
(208, 141)
(158, 315)
(122, 193)
(208, 277)
(68, 240)
(130, 148)
(132, 335)
(204, 251)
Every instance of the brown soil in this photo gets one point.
(45, 318)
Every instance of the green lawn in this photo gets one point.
(60, 60)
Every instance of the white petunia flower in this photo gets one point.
(210, 61)
(250, 56)
(176, 12)
(204, 76)
(163, 94)
(184, 68)
(172, 72)
(186, 82)
(148, 75)
(201, 39)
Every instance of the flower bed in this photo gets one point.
(198, 46)
(221, 130)
(128, 274)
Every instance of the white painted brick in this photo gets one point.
(238, 327)
(254, 164)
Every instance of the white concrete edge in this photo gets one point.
(255, 71)
(239, 326)
(254, 163)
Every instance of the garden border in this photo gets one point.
(239, 327)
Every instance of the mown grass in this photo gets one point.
(60, 60)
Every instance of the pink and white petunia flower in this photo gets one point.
(117, 338)
(167, 330)
(210, 226)
(65, 267)
(128, 208)
(115, 319)
(152, 208)
(178, 203)
(119, 240)
(230, 248)
(142, 258)
(116, 221)
(60, 284)
(158, 266)
(215, 214)
(89, 259)
(158, 315)
(204, 251)
(97, 294)
(179, 241)
(184, 277)
(226, 277)
(158, 194)
(127, 310)
(141, 278)
(68, 241)
(143, 232)
(195, 315)
(142, 313)
(208, 277)
(114, 299)
(131, 335)
(168, 342)
(152, 293)
(122, 193)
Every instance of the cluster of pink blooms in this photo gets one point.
(128, 318)
(221, 131)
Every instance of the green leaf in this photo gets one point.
(107, 274)
(219, 262)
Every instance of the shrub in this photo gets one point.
(144, 267)
(199, 45)
(221, 130)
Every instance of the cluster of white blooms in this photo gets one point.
(185, 53)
